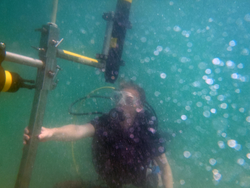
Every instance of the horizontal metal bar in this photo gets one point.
(79, 59)
(16, 58)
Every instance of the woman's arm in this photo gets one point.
(167, 176)
(65, 133)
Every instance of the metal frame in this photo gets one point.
(47, 69)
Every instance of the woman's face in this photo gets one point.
(130, 101)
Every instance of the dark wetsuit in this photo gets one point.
(122, 156)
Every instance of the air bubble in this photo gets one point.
(242, 110)
(245, 51)
(209, 81)
(189, 44)
(223, 105)
(157, 93)
(221, 98)
(212, 161)
(240, 66)
(147, 59)
(206, 113)
(159, 48)
(156, 52)
(230, 64)
(248, 155)
(208, 71)
(213, 110)
(199, 104)
(216, 61)
(163, 75)
(221, 144)
(143, 39)
(184, 117)
(177, 28)
(232, 43)
(248, 119)
(182, 182)
(234, 76)
(232, 143)
(187, 154)
(188, 108)
(210, 20)
(247, 17)
(240, 161)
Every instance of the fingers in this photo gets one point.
(26, 130)
(25, 138)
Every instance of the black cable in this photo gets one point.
(83, 98)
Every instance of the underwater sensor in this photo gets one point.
(11, 81)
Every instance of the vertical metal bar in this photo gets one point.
(29, 150)
(44, 84)
(107, 38)
(54, 12)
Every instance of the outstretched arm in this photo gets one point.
(167, 176)
(65, 133)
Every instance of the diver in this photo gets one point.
(125, 142)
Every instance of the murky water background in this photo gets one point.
(192, 58)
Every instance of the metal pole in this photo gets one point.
(44, 83)
(16, 58)
(108, 32)
(54, 12)
(63, 54)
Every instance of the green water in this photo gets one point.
(202, 102)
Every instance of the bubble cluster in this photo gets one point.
(185, 33)
(216, 175)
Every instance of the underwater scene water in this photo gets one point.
(192, 59)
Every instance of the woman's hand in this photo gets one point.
(44, 136)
